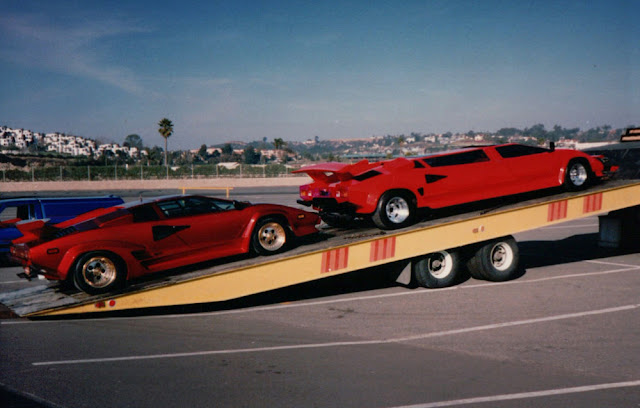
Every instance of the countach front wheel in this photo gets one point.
(578, 176)
(496, 260)
(437, 270)
(396, 209)
(269, 236)
(99, 272)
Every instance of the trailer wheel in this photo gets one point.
(496, 260)
(437, 270)
(99, 272)
(578, 176)
(269, 236)
(396, 209)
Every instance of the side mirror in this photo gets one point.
(552, 146)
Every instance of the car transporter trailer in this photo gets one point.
(428, 252)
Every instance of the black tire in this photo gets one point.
(496, 260)
(438, 270)
(270, 236)
(578, 175)
(396, 209)
(99, 272)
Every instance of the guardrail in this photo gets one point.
(142, 172)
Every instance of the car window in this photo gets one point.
(9, 213)
(511, 151)
(144, 213)
(468, 157)
(186, 206)
(23, 212)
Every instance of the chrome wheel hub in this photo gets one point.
(578, 174)
(501, 256)
(397, 210)
(440, 265)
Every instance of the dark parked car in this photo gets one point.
(55, 210)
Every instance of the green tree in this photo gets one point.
(278, 143)
(165, 130)
(133, 141)
(251, 156)
(227, 149)
(202, 153)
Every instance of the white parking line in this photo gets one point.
(417, 292)
(9, 282)
(343, 343)
(525, 395)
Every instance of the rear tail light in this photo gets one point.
(342, 192)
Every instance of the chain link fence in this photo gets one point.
(142, 172)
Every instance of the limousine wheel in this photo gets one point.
(437, 270)
(269, 236)
(496, 260)
(578, 175)
(396, 209)
(99, 272)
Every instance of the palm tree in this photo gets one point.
(278, 143)
(166, 130)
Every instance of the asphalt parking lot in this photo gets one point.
(564, 334)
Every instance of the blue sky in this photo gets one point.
(244, 70)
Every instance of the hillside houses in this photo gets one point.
(22, 139)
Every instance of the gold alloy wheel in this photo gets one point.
(99, 272)
(272, 236)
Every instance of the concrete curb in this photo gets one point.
(110, 185)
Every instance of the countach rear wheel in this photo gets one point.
(269, 236)
(437, 270)
(396, 209)
(99, 272)
(496, 260)
(578, 176)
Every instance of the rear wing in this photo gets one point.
(332, 172)
(32, 230)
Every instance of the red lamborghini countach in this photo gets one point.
(99, 251)
(391, 192)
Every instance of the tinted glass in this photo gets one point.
(182, 207)
(473, 156)
(144, 213)
(519, 150)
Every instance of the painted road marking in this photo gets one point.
(628, 268)
(422, 336)
(525, 395)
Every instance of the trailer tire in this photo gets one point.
(437, 270)
(496, 260)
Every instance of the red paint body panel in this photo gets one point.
(441, 180)
(155, 235)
